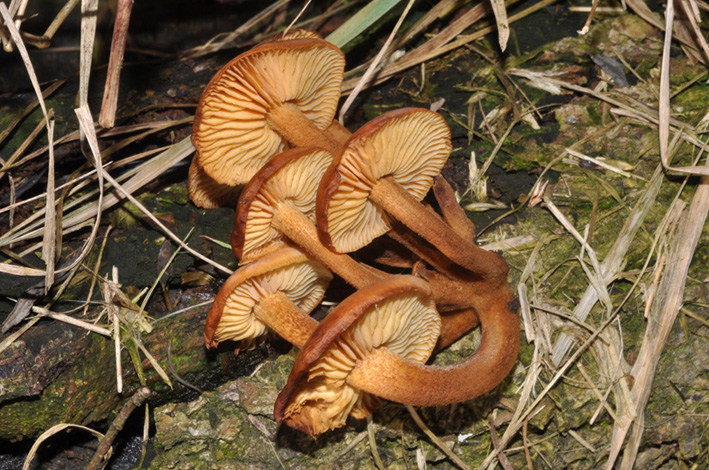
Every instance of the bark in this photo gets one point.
(58, 373)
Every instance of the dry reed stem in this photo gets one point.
(660, 320)
(89, 17)
(104, 447)
(107, 117)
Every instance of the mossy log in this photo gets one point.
(58, 373)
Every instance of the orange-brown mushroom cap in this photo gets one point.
(234, 314)
(231, 130)
(410, 145)
(396, 314)
(291, 177)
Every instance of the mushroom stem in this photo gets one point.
(288, 121)
(385, 374)
(298, 228)
(453, 214)
(397, 202)
(338, 133)
(285, 318)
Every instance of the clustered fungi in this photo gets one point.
(313, 193)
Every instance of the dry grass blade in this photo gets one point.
(503, 25)
(224, 40)
(107, 117)
(522, 413)
(596, 277)
(72, 321)
(446, 41)
(613, 259)
(89, 16)
(134, 180)
(364, 81)
(373, 444)
(660, 320)
(435, 439)
(603, 164)
(49, 243)
(49, 433)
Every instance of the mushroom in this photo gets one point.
(279, 202)
(315, 386)
(279, 93)
(395, 314)
(276, 292)
(207, 193)
(389, 376)
(382, 172)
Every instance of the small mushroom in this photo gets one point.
(315, 386)
(395, 314)
(279, 202)
(389, 376)
(207, 193)
(279, 93)
(383, 171)
(276, 292)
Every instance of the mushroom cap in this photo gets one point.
(289, 271)
(207, 193)
(411, 145)
(396, 313)
(291, 177)
(231, 132)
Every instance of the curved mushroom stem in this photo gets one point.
(453, 214)
(413, 242)
(397, 202)
(298, 130)
(389, 376)
(301, 230)
(454, 325)
(285, 318)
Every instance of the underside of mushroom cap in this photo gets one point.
(396, 313)
(230, 131)
(410, 145)
(290, 178)
(289, 271)
(207, 193)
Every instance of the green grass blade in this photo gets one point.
(360, 21)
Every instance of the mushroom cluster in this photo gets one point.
(313, 199)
